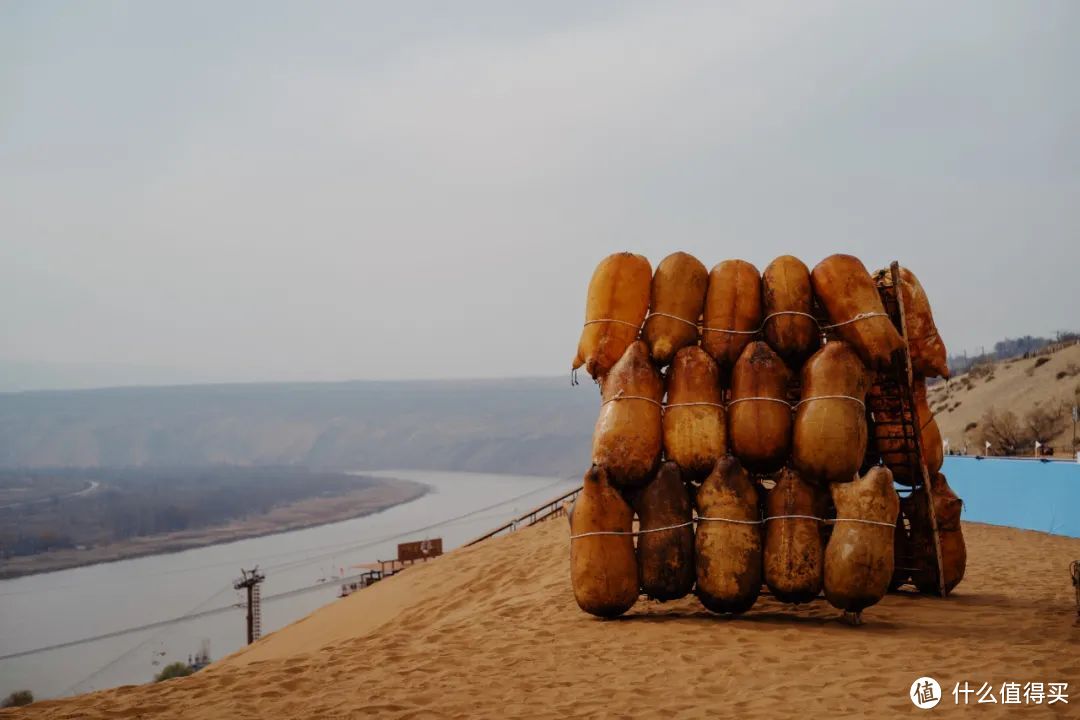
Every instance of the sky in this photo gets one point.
(254, 191)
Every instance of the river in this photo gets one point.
(39, 611)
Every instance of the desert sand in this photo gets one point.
(493, 631)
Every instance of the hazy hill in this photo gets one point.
(529, 426)
(532, 426)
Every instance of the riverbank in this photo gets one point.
(311, 512)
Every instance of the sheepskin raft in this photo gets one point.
(694, 424)
(728, 541)
(790, 328)
(794, 553)
(929, 434)
(627, 438)
(859, 557)
(852, 302)
(928, 353)
(829, 440)
(603, 567)
(616, 305)
(665, 547)
(678, 297)
(732, 311)
(759, 416)
(947, 509)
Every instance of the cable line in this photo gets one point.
(368, 543)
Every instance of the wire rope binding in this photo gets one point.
(770, 316)
(673, 317)
(635, 533)
(829, 397)
(794, 517)
(612, 320)
(860, 520)
(620, 396)
(770, 399)
(857, 318)
(692, 404)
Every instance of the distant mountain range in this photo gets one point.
(529, 426)
(539, 426)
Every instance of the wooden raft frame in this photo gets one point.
(896, 393)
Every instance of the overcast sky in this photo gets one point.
(310, 190)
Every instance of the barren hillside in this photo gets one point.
(539, 426)
(1048, 383)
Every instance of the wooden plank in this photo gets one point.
(907, 389)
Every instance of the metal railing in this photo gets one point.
(550, 509)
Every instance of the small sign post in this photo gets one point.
(1076, 419)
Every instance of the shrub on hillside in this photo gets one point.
(1046, 422)
(1070, 370)
(173, 670)
(1009, 436)
(18, 699)
(1003, 431)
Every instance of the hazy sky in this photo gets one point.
(314, 190)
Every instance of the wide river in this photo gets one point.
(43, 611)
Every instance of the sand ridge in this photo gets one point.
(1017, 385)
(493, 631)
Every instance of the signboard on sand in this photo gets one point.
(419, 549)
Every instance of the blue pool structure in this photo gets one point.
(1020, 493)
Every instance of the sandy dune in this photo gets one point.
(1016, 385)
(493, 631)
